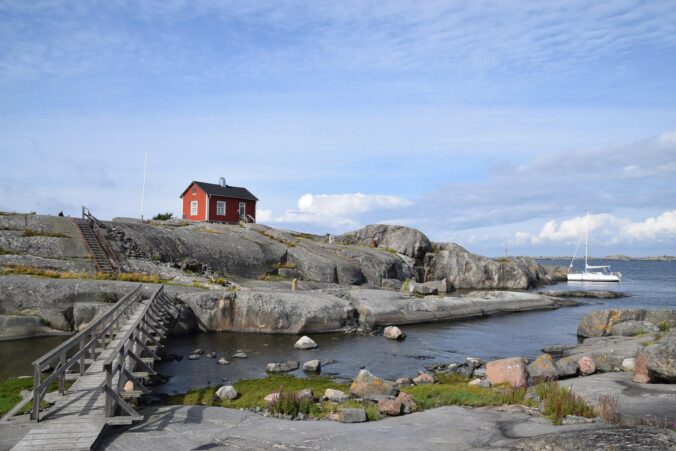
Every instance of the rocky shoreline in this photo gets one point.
(235, 277)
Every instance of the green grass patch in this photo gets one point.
(307, 236)
(54, 274)
(390, 250)
(31, 232)
(4, 251)
(252, 391)
(453, 390)
(664, 326)
(503, 260)
(640, 331)
(10, 393)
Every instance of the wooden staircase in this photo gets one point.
(97, 245)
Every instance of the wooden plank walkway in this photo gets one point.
(78, 417)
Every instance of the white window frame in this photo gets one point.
(242, 209)
(194, 208)
(219, 211)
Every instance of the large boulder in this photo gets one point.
(542, 369)
(404, 240)
(268, 311)
(393, 333)
(512, 371)
(305, 342)
(462, 269)
(226, 392)
(662, 359)
(566, 367)
(86, 312)
(365, 385)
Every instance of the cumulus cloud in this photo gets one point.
(263, 215)
(340, 210)
(604, 229)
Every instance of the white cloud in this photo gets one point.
(347, 204)
(339, 210)
(668, 137)
(605, 229)
(661, 227)
(263, 215)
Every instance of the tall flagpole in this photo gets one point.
(143, 191)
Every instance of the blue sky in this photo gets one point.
(483, 122)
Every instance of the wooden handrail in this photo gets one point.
(126, 354)
(96, 330)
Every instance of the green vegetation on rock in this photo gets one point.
(560, 401)
(163, 216)
(54, 274)
(30, 232)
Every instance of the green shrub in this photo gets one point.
(560, 401)
(163, 216)
(406, 285)
(664, 326)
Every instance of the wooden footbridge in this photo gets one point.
(108, 362)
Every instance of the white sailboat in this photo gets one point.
(591, 273)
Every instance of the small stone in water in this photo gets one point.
(222, 361)
(240, 355)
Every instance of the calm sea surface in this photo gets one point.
(648, 284)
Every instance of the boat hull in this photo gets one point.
(589, 277)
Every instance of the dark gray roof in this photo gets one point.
(214, 189)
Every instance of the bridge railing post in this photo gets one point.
(35, 413)
(62, 375)
(107, 387)
(83, 355)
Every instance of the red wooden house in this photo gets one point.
(218, 203)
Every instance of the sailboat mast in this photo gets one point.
(586, 241)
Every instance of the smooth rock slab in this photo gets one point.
(444, 428)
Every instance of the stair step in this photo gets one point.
(123, 420)
(131, 394)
